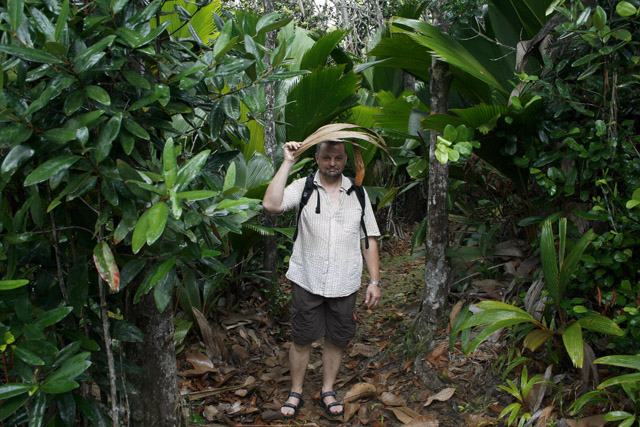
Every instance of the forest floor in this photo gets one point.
(237, 374)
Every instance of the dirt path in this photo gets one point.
(239, 375)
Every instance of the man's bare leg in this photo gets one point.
(298, 361)
(331, 362)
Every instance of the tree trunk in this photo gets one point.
(270, 258)
(433, 310)
(155, 399)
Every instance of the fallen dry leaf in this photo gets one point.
(404, 414)
(350, 409)
(474, 420)
(211, 412)
(200, 362)
(391, 399)
(442, 396)
(364, 415)
(454, 313)
(593, 421)
(363, 350)
(360, 391)
(423, 421)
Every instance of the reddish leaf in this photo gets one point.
(106, 265)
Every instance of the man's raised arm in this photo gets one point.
(272, 201)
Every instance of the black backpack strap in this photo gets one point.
(359, 190)
(309, 186)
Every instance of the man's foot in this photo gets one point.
(290, 408)
(331, 406)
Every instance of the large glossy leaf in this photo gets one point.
(6, 285)
(169, 164)
(37, 409)
(621, 379)
(106, 265)
(572, 260)
(191, 169)
(91, 55)
(536, 338)
(13, 389)
(29, 54)
(157, 273)
(602, 324)
(487, 317)
(107, 135)
(573, 343)
(163, 290)
(150, 226)
(332, 93)
(549, 260)
(71, 368)
(27, 356)
(49, 168)
(51, 317)
(319, 53)
(446, 48)
(622, 360)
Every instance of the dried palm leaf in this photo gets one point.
(346, 132)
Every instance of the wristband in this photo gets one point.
(374, 282)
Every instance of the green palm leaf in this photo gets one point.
(201, 19)
(317, 99)
(446, 48)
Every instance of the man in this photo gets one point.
(325, 267)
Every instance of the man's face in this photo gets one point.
(331, 160)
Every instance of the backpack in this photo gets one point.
(309, 186)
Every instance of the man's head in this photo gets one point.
(331, 157)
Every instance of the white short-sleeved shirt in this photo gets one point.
(327, 256)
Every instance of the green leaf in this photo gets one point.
(27, 356)
(573, 343)
(136, 79)
(51, 317)
(158, 273)
(602, 324)
(37, 409)
(626, 9)
(150, 226)
(6, 285)
(144, 15)
(137, 130)
(599, 18)
(163, 290)
(60, 136)
(621, 379)
(62, 19)
(536, 338)
(59, 386)
(169, 164)
(98, 94)
(16, 12)
(197, 195)
(107, 134)
(106, 265)
(624, 361)
(549, 260)
(50, 168)
(225, 41)
(28, 54)
(191, 169)
(125, 331)
(269, 22)
(71, 368)
(13, 389)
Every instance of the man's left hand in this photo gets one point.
(372, 297)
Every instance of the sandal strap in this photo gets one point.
(296, 395)
(332, 404)
(327, 394)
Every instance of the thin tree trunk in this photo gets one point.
(155, 399)
(434, 303)
(270, 146)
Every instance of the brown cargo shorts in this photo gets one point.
(314, 316)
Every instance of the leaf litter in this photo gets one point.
(235, 371)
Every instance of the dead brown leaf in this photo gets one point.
(360, 391)
(442, 396)
(391, 399)
(211, 412)
(364, 415)
(200, 362)
(360, 349)
(593, 421)
(350, 409)
(423, 421)
(404, 414)
(454, 314)
(474, 420)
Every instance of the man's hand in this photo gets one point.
(289, 150)
(372, 297)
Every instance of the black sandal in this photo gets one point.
(292, 406)
(327, 407)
